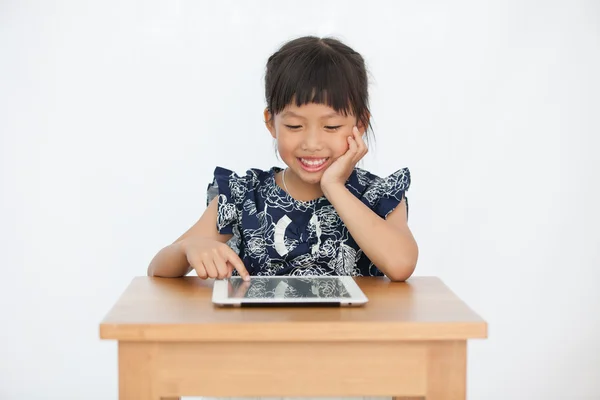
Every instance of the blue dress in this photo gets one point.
(275, 234)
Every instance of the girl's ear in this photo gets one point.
(270, 123)
(361, 127)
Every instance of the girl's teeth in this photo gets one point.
(313, 163)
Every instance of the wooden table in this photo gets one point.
(409, 340)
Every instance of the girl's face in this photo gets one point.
(310, 138)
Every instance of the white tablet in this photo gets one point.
(288, 291)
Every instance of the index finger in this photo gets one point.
(237, 263)
(242, 289)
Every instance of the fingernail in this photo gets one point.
(246, 278)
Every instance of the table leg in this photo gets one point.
(136, 371)
(447, 371)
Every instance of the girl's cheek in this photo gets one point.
(342, 146)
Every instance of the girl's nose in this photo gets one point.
(312, 140)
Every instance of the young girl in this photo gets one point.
(319, 216)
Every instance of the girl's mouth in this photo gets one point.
(313, 164)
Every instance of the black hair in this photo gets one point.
(310, 69)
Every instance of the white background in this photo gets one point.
(113, 116)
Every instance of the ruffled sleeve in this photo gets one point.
(383, 195)
(231, 190)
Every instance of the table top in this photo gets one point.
(181, 309)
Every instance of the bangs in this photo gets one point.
(321, 77)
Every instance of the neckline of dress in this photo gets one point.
(287, 196)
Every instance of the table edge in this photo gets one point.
(296, 331)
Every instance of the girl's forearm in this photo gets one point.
(170, 262)
(391, 249)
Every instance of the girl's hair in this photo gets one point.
(318, 70)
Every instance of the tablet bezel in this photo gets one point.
(357, 297)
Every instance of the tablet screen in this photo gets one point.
(287, 287)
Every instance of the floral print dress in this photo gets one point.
(275, 234)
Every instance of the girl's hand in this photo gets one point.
(339, 171)
(212, 259)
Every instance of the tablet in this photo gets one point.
(288, 291)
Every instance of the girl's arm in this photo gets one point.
(388, 243)
(171, 261)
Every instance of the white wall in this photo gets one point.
(113, 116)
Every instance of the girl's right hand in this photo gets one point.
(212, 259)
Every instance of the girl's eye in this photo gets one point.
(333, 128)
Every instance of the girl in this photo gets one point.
(319, 216)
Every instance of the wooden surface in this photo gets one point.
(286, 369)
(434, 370)
(409, 342)
(180, 309)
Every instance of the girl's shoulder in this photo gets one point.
(381, 194)
(237, 186)
(253, 176)
(362, 180)
(236, 192)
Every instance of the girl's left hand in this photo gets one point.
(339, 171)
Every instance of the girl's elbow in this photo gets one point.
(401, 271)
(400, 276)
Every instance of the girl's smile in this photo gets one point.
(313, 164)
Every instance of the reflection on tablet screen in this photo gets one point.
(287, 287)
